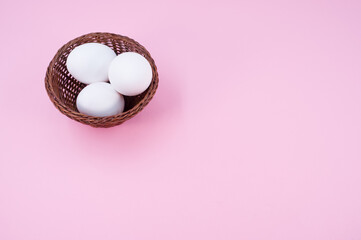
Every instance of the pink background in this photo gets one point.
(254, 132)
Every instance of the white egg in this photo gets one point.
(130, 73)
(99, 100)
(89, 62)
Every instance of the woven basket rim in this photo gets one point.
(75, 114)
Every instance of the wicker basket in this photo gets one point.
(63, 89)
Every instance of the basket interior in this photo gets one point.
(67, 88)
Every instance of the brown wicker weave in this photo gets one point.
(63, 89)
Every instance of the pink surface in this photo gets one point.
(254, 132)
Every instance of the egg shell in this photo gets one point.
(89, 62)
(130, 73)
(100, 100)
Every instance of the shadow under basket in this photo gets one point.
(63, 89)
